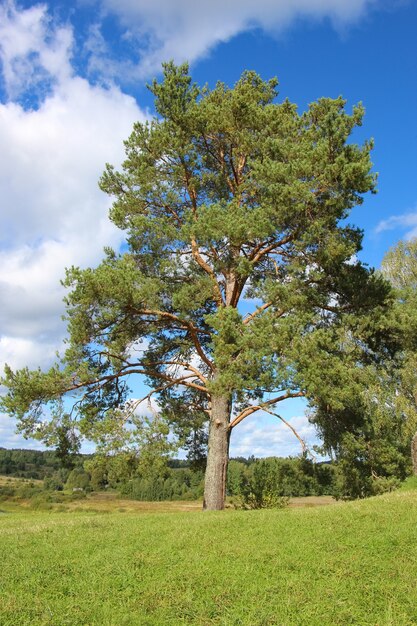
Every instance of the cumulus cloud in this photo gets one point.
(262, 436)
(52, 213)
(187, 30)
(34, 52)
(10, 439)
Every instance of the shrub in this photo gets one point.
(40, 503)
(28, 491)
(7, 492)
(78, 479)
(54, 483)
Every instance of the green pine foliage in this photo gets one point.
(239, 281)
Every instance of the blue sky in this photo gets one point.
(72, 82)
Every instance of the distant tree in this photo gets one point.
(365, 429)
(55, 482)
(399, 266)
(111, 469)
(370, 431)
(261, 485)
(235, 477)
(78, 479)
(98, 478)
(29, 463)
(240, 283)
(272, 478)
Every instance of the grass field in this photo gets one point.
(351, 563)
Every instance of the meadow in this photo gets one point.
(157, 564)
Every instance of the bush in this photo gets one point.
(76, 495)
(176, 484)
(78, 479)
(7, 492)
(385, 485)
(54, 483)
(28, 491)
(261, 489)
(290, 477)
(40, 503)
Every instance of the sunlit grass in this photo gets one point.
(353, 563)
(409, 483)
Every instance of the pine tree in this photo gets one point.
(239, 283)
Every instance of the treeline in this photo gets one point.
(34, 464)
(256, 482)
(175, 481)
(251, 482)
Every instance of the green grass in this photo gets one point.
(409, 483)
(351, 563)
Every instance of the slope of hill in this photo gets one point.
(351, 563)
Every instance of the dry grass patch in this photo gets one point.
(12, 481)
(111, 502)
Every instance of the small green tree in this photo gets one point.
(365, 433)
(78, 479)
(239, 285)
(54, 482)
(144, 448)
(235, 478)
(261, 486)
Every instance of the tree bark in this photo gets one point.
(414, 453)
(218, 454)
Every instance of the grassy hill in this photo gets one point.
(351, 563)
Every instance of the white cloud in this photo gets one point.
(52, 214)
(187, 30)
(22, 351)
(10, 439)
(406, 221)
(33, 50)
(263, 436)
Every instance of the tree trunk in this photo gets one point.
(414, 453)
(218, 454)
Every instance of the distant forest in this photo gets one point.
(33, 464)
(257, 481)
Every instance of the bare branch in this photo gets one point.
(304, 446)
(252, 409)
(300, 439)
(260, 251)
(259, 310)
(183, 364)
(206, 267)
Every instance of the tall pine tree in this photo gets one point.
(240, 277)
